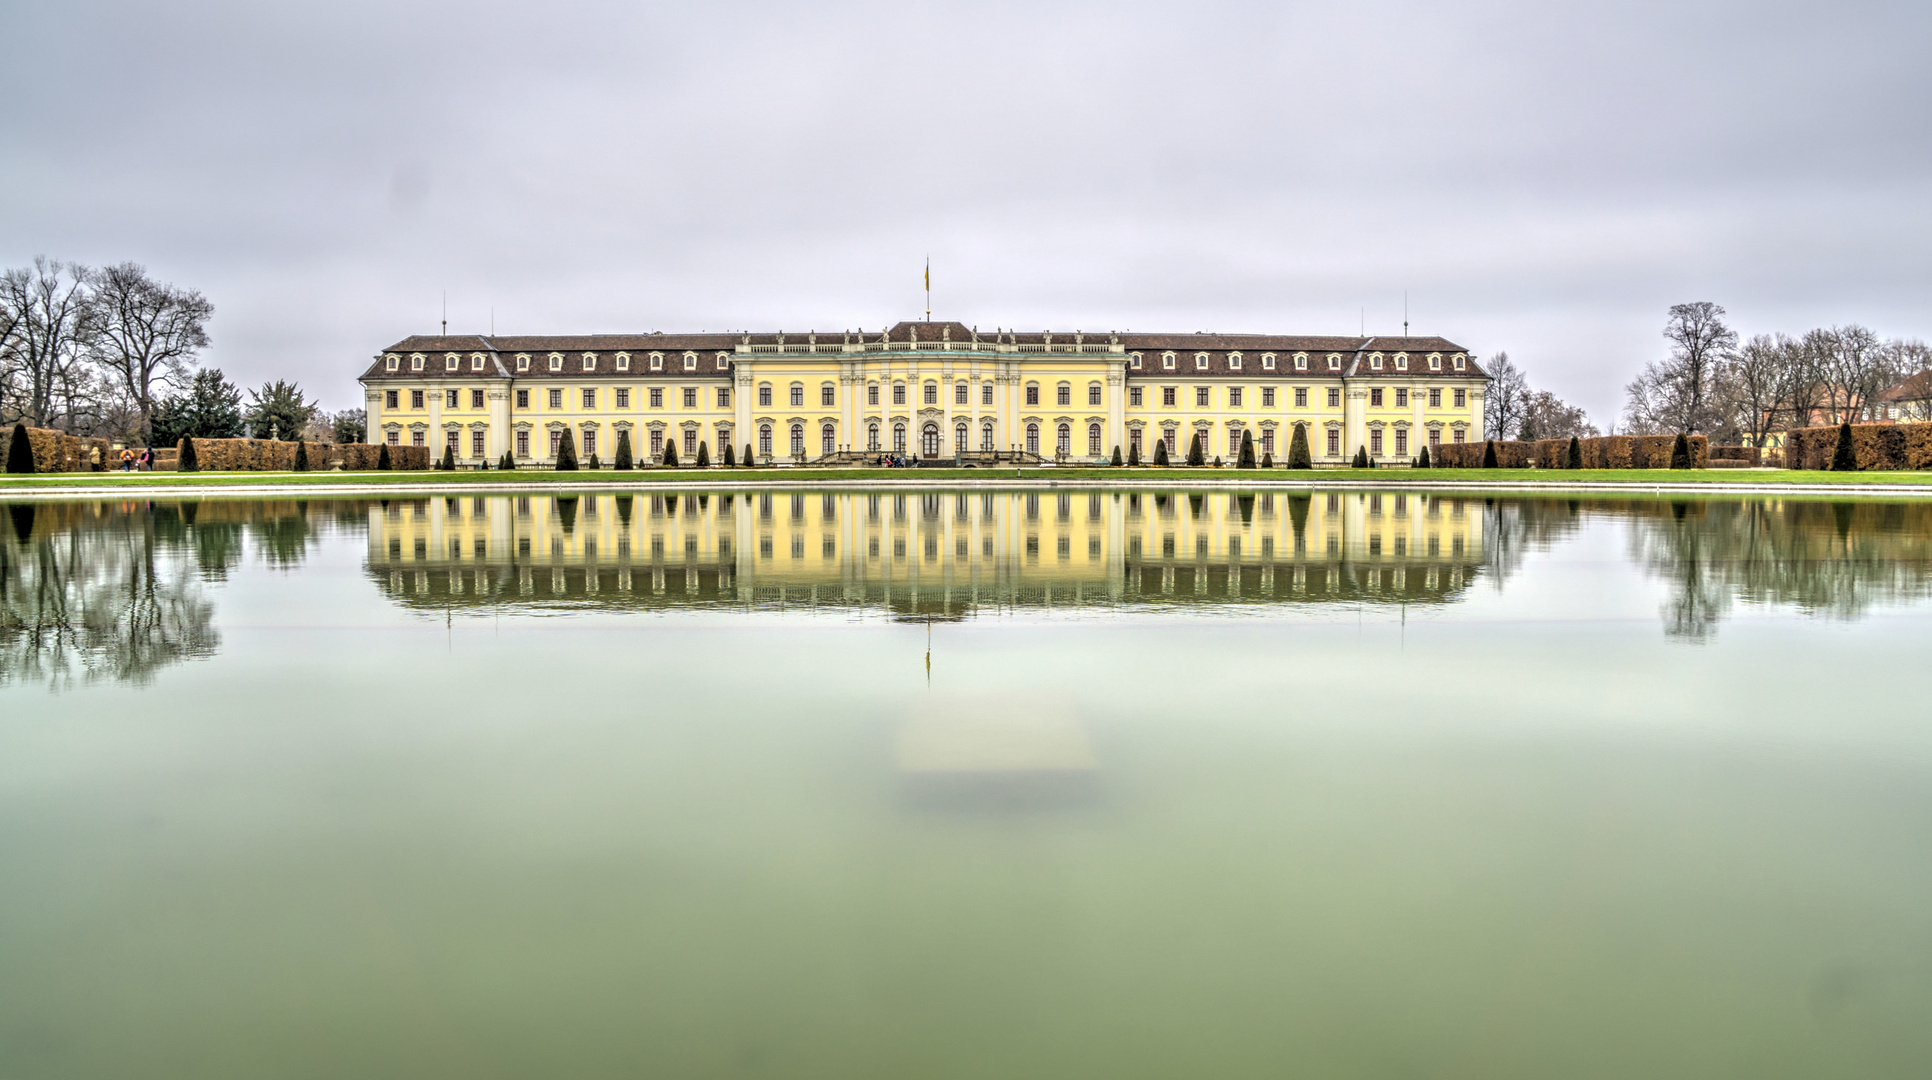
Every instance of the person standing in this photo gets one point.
(127, 459)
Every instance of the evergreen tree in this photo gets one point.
(704, 455)
(210, 408)
(1844, 458)
(671, 453)
(591, 462)
(449, 458)
(1267, 459)
(1680, 455)
(1133, 453)
(727, 462)
(1246, 458)
(566, 452)
(1489, 453)
(1217, 461)
(748, 461)
(382, 458)
(1574, 459)
(185, 460)
(301, 457)
(279, 410)
(1361, 460)
(20, 451)
(623, 463)
(1298, 455)
(1116, 457)
(1422, 459)
(1196, 454)
(507, 464)
(1160, 453)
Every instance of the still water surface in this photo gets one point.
(981, 784)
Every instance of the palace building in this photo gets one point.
(925, 389)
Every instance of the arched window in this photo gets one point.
(872, 437)
(899, 438)
(798, 436)
(929, 440)
(1133, 441)
(1063, 440)
(764, 439)
(1063, 394)
(798, 395)
(1032, 438)
(932, 393)
(986, 436)
(1268, 440)
(691, 442)
(1093, 439)
(828, 440)
(959, 438)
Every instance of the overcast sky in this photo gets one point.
(1539, 178)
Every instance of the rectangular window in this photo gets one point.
(1435, 440)
(590, 446)
(523, 399)
(871, 393)
(1063, 395)
(986, 393)
(690, 443)
(932, 393)
(1435, 399)
(690, 397)
(389, 399)
(1133, 396)
(724, 397)
(476, 443)
(1032, 395)
(1267, 397)
(1301, 397)
(415, 399)
(449, 399)
(476, 399)
(828, 396)
(1375, 397)
(590, 399)
(416, 438)
(1460, 433)
(1334, 441)
(1401, 450)
(764, 397)
(798, 396)
(960, 390)
(1334, 398)
(556, 399)
(395, 438)
(657, 443)
(1167, 395)
(1200, 397)
(1234, 397)
(1462, 401)
(623, 397)
(898, 393)
(1401, 398)
(657, 397)
(523, 443)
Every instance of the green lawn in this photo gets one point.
(1370, 477)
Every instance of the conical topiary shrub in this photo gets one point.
(727, 462)
(1680, 455)
(449, 457)
(508, 463)
(750, 460)
(382, 458)
(1575, 459)
(1196, 453)
(1133, 454)
(1117, 457)
(1160, 453)
(1844, 458)
(1489, 453)
(591, 462)
(1422, 459)
(20, 451)
(1267, 459)
(1361, 460)
(301, 457)
(671, 453)
(1298, 455)
(185, 460)
(623, 463)
(704, 455)
(1245, 460)
(566, 452)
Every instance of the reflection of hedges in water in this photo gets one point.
(1836, 559)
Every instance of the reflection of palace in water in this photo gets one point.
(926, 553)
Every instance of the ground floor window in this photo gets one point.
(929, 440)
(828, 440)
(871, 436)
(395, 438)
(1063, 440)
(476, 443)
(764, 439)
(898, 438)
(959, 438)
(590, 442)
(1173, 437)
(416, 438)
(1375, 441)
(1435, 437)
(1334, 441)
(986, 437)
(523, 444)
(1133, 441)
(556, 438)
(690, 442)
(1401, 442)
(657, 444)
(1459, 435)
(1032, 438)
(1093, 439)
(798, 440)
(450, 439)
(1268, 441)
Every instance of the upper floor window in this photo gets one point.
(556, 399)
(590, 398)
(556, 362)
(1401, 397)
(1234, 361)
(690, 397)
(1458, 362)
(932, 393)
(1334, 362)
(898, 393)
(657, 397)
(690, 361)
(986, 393)
(1435, 362)
(1201, 397)
(657, 361)
(960, 392)
(1435, 398)
(764, 395)
(828, 395)
(1133, 361)
(416, 363)
(590, 361)
(1375, 397)
(415, 399)
(1334, 398)
(1267, 361)
(798, 395)
(476, 362)
(623, 361)
(724, 397)
(1093, 393)
(1462, 398)
(872, 394)
(1301, 397)
(1133, 396)
(1167, 361)
(394, 363)
(1401, 361)
(1063, 394)
(1200, 361)
(476, 399)
(523, 399)
(389, 399)
(523, 361)
(1267, 397)
(1167, 395)
(451, 362)
(1032, 393)
(623, 397)
(1301, 361)
(1375, 361)
(1234, 397)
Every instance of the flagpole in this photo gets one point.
(929, 288)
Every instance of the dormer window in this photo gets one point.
(690, 361)
(1375, 361)
(452, 362)
(416, 362)
(556, 361)
(722, 361)
(1334, 361)
(523, 361)
(1301, 361)
(1267, 361)
(1435, 361)
(1458, 361)
(1200, 361)
(1234, 361)
(590, 361)
(657, 361)
(1133, 361)
(623, 361)
(394, 363)
(476, 361)
(1401, 361)
(1167, 361)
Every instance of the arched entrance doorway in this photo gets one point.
(929, 440)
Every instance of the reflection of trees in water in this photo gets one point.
(1512, 528)
(1838, 560)
(115, 591)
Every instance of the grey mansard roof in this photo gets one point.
(500, 351)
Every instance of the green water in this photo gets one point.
(1609, 789)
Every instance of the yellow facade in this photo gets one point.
(928, 551)
(925, 390)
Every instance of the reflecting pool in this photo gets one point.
(1045, 782)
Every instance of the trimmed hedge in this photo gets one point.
(1607, 452)
(57, 452)
(1876, 447)
(1752, 455)
(274, 455)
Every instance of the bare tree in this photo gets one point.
(50, 320)
(1757, 383)
(1912, 360)
(1678, 393)
(1546, 416)
(147, 335)
(1507, 399)
(1856, 370)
